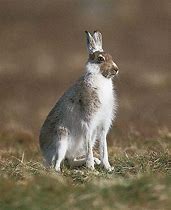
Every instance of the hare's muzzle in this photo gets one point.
(114, 69)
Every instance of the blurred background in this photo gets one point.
(43, 51)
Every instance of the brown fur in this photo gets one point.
(106, 67)
(86, 99)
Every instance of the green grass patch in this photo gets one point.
(141, 179)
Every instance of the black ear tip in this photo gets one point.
(86, 32)
(97, 31)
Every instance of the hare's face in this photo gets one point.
(105, 63)
(99, 61)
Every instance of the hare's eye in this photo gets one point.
(100, 58)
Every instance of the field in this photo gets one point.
(42, 52)
(141, 178)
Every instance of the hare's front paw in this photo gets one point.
(58, 169)
(108, 167)
(90, 164)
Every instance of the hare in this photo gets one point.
(83, 114)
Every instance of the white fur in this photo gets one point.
(94, 42)
(100, 123)
(65, 134)
(98, 41)
(103, 118)
(105, 94)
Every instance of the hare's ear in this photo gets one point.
(91, 46)
(98, 40)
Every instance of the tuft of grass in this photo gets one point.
(141, 179)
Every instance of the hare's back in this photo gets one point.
(77, 104)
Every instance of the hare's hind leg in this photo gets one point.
(76, 162)
(61, 147)
(97, 161)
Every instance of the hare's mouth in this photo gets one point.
(110, 74)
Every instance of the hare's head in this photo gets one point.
(99, 61)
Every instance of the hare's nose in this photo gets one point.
(115, 68)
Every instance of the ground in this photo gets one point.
(141, 179)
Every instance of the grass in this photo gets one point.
(141, 179)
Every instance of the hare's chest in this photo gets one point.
(105, 94)
(106, 98)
